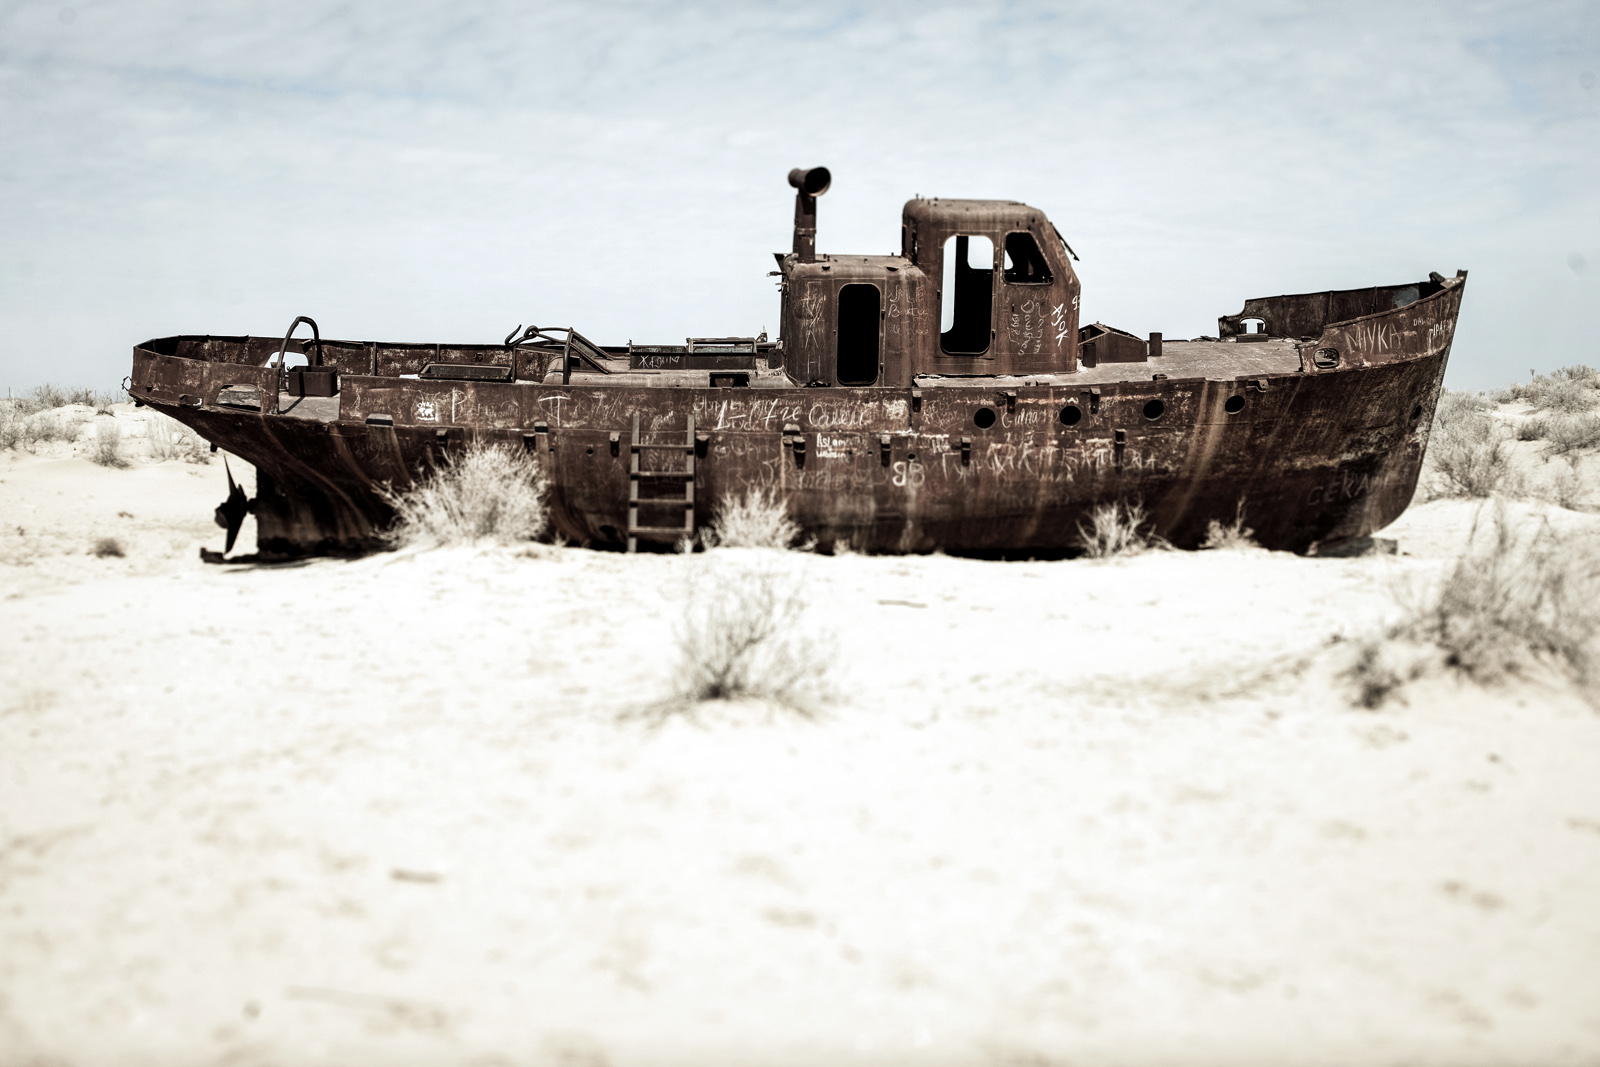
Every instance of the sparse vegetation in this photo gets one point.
(1568, 390)
(1373, 675)
(1116, 529)
(759, 519)
(1512, 601)
(741, 636)
(20, 428)
(1536, 428)
(1468, 452)
(108, 547)
(106, 449)
(170, 439)
(1234, 534)
(489, 493)
(36, 417)
(1573, 433)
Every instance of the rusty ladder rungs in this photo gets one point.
(635, 476)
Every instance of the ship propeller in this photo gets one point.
(231, 512)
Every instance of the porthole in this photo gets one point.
(984, 418)
(1234, 405)
(1153, 409)
(1070, 415)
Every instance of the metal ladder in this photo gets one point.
(635, 476)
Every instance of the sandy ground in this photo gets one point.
(403, 810)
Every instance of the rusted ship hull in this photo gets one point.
(1314, 454)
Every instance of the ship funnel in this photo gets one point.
(809, 183)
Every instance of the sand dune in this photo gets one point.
(403, 810)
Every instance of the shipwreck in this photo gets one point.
(943, 398)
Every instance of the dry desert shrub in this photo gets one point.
(170, 439)
(11, 426)
(1116, 529)
(1374, 676)
(1571, 434)
(46, 397)
(20, 428)
(1234, 534)
(759, 519)
(1536, 428)
(106, 449)
(741, 636)
(1568, 390)
(489, 493)
(1566, 489)
(1514, 599)
(1567, 396)
(108, 547)
(1467, 451)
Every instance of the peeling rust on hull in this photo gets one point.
(993, 427)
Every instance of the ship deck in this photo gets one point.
(1216, 360)
(1200, 359)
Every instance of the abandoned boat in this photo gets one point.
(944, 398)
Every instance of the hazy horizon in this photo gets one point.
(421, 173)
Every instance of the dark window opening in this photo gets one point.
(984, 418)
(966, 300)
(1153, 409)
(1070, 415)
(858, 334)
(1025, 264)
(1234, 405)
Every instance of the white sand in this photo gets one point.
(395, 811)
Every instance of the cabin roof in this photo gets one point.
(995, 214)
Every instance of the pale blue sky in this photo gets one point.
(415, 172)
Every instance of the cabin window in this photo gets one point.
(966, 298)
(858, 334)
(1025, 264)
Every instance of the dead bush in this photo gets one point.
(170, 439)
(1467, 451)
(1536, 428)
(1568, 390)
(1373, 677)
(1513, 599)
(489, 493)
(43, 398)
(108, 547)
(20, 428)
(11, 426)
(1566, 489)
(741, 635)
(759, 519)
(1230, 535)
(1116, 529)
(1566, 396)
(106, 449)
(1574, 433)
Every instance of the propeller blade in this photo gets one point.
(231, 512)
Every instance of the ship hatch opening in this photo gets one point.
(1025, 264)
(966, 298)
(859, 306)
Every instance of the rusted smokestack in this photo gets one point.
(809, 184)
